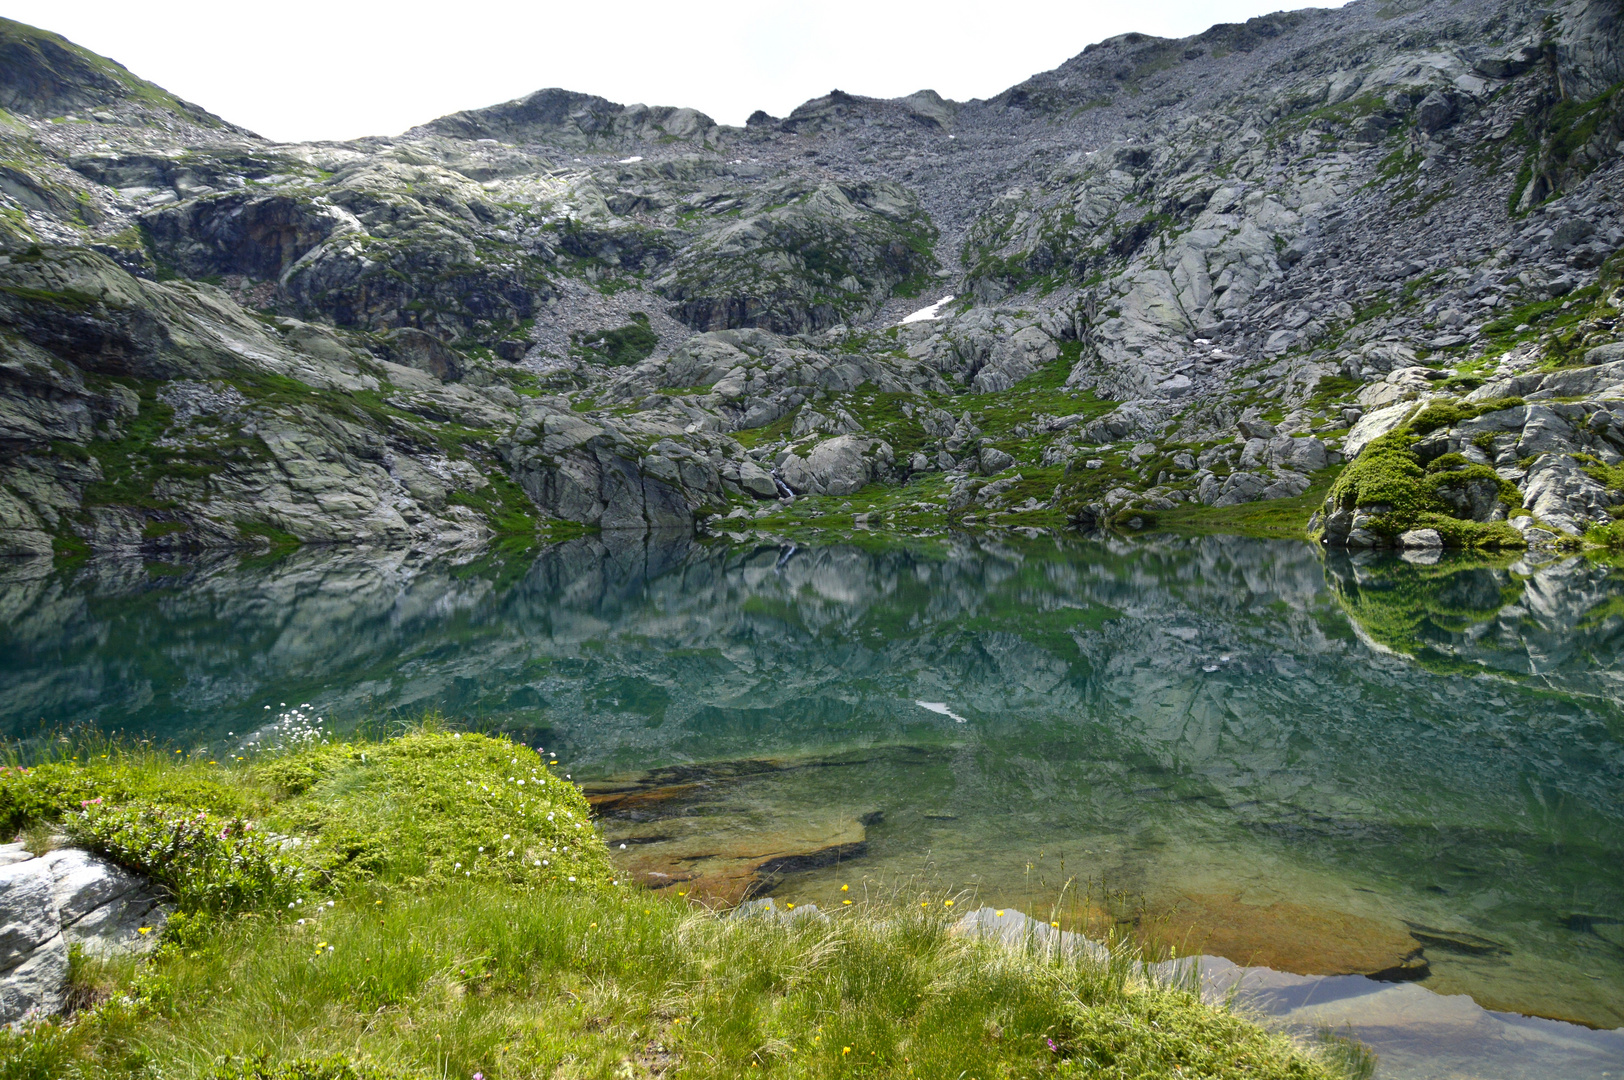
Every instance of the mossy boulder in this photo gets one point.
(1388, 492)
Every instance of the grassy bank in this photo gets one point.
(432, 917)
(1276, 519)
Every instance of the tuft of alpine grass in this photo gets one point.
(515, 982)
(435, 806)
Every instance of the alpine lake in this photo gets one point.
(1288, 757)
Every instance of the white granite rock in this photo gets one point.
(64, 898)
(103, 907)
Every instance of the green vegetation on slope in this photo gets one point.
(41, 64)
(1273, 519)
(1389, 481)
(619, 347)
(424, 940)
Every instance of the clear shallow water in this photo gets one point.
(1287, 758)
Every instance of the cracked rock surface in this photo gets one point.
(64, 898)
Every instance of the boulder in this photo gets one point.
(994, 460)
(1606, 354)
(1436, 112)
(103, 907)
(1256, 429)
(1298, 455)
(33, 953)
(838, 466)
(66, 897)
(1288, 485)
(1239, 488)
(757, 481)
(1420, 538)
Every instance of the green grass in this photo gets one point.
(547, 983)
(409, 952)
(280, 542)
(435, 807)
(504, 505)
(624, 345)
(1609, 537)
(1283, 519)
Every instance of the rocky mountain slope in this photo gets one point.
(1367, 257)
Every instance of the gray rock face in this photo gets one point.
(580, 471)
(33, 953)
(66, 897)
(1304, 219)
(101, 906)
(1559, 492)
(838, 466)
(426, 353)
(576, 120)
(256, 235)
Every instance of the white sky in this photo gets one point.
(302, 69)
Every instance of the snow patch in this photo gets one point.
(633, 160)
(940, 707)
(925, 314)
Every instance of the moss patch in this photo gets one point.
(1389, 474)
(620, 347)
(1277, 519)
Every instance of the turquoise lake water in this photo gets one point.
(1292, 758)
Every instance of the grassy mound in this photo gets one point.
(433, 808)
(1389, 473)
(410, 952)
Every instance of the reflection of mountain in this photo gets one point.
(1153, 705)
(1560, 625)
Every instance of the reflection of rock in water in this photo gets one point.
(1166, 705)
(1559, 622)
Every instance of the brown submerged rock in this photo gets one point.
(1294, 937)
(677, 837)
